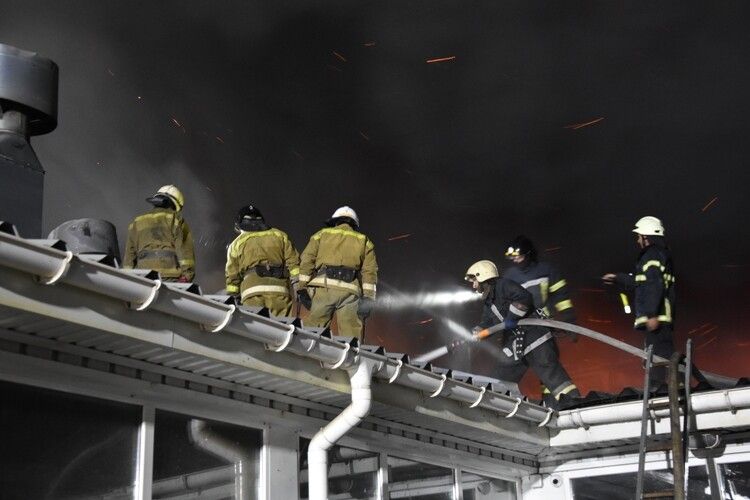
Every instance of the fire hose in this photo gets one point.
(718, 381)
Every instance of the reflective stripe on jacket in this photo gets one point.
(546, 285)
(340, 246)
(250, 249)
(509, 299)
(653, 286)
(155, 234)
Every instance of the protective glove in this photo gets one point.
(510, 323)
(304, 298)
(365, 307)
(475, 334)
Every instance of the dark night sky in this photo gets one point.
(462, 154)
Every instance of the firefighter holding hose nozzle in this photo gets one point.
(506, 302)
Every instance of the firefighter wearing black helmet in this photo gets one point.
(262, 264)
(541, 279)
(161, 239)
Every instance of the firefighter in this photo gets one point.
(339, 274)
(653, 286)
(541, 279)
(522, 346)
(262, 264)
(161, 240)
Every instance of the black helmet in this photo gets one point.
(521, 245)
(249, 218)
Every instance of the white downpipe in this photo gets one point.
(704, 402)
(203, 437)
(317, 453)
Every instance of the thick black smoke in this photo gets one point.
(300, 107)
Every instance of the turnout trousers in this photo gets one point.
(661, 339)
(519, 354)
(329, 301)
(277, 304)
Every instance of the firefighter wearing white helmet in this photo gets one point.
(652, 285)
(505, 301)
(161, 240)
(339, 274)
(649, 226)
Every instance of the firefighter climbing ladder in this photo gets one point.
(678, 442)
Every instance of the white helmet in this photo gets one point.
(649, 226)
(345, 211)
(171, 192)
(481, 271)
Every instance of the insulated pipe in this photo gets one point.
(317, 453)
(704, 402)
(219, 446)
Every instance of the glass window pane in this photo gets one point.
(352, 473)
(63, 446)
(219, 460)
(408, 479)
(737, 480)
(622, 486)
(478, 487)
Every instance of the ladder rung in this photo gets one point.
(659, 446)
(659, 494)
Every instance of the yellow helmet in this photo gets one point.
(173, 193)
(481, 271)
(649, 226)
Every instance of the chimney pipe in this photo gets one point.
(28, 107)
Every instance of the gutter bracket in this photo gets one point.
(285, 343)
(64, 266)
(515, 409)
(399, 364)
(341, 360)
(479, 399)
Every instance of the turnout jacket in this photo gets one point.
(161, 240)
(260, 263)
(652, 284)
(340, 247)
(509, 299)
(547, 287)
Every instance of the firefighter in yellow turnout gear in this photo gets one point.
(339, 274)
(262, 264)
(161, 240)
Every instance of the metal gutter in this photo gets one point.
(703, 402)
(50, 263)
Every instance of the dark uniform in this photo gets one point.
(547, 287)
(161, 240)
(524, 346)
(653, 287)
